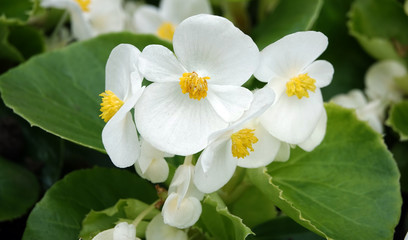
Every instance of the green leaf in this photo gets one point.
(398, 119)
(282, 228)
(346, 188)
(124, 210)
(260, 209)
(349, 60)
(400, 153)
(377, 25)
(288, 17)
(60, 212)
(218, 222)
(17, 9)
(14, 47)
(19, 190)
(58, 91)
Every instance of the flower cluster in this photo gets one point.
(196, 103)
(90, 18)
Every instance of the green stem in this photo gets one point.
(143, 214)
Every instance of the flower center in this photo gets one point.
(299, 85)
(110, 105)
(196, 86)
(166, 31)
(241, 141)
(84, 4)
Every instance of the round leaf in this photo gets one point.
(347, 188)
(398, 119)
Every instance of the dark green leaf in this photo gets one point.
(60, 213)
(19, 190)
(283, 228)
(17, 9)
(289, 16)
(346, 188)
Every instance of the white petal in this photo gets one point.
(157, 171)
(124, 231)
(292, 120)
(283, 153)
(288, 56)
(317, 135)
(121, 69)
(148, 153)
(174, 123)
(120, 138)
(215, 166)
(379, 80)
(158, 64)
(105, 235)
(212, 46)
(158, 230)
(262, 100)
(176, 11)
(107, 16)
(265, 150)
(181, 180)
(229, 102)
(322, 71)
(181, 216)
(147, 19)
(353, 99)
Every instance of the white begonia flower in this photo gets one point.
(123, 88)
(122, 231)
(91, 17)
(290, 69)
(197, 90)
(162, 21)
(372, 112)
(158, 230)
(151, 164)
(244, 143)
(380, 81)
(182, 207)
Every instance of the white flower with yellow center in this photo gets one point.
(182, 208)
(123, 89)
(158, 230)
(91, 17)
(245, 143)
(162, 21)
(151, 164)
(122, 231)
(381, 81)
(197, 90)
(290, 69)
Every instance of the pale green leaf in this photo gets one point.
(124, 210)
(60, 212)
(58, 91)
(218, 223)
(398, 119)
(346, 188)
(19, 190)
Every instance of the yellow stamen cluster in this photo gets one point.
(84, 4)
(166, 31)
(299, 85)
(110, 105)
(241, 141)
(196, 86)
